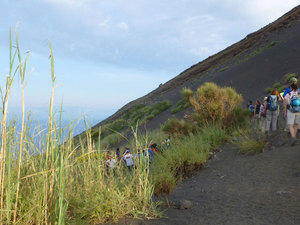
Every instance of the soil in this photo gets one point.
(239, 189)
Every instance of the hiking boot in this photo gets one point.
(293, 141)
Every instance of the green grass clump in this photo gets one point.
(268, 90)
(276, 85)
(273, 43)
(250, 143)
(186, 155)
(224, 68)
(180, 105)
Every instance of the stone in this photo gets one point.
(185, 204)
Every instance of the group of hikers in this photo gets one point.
(129, 159)
(267, 113)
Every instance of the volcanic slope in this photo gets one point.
(249, 66)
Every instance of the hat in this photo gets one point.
(265, 98)
(293, 80)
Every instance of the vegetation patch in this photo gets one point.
(250, 143)
(180, 105)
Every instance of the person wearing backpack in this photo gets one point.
(251, 107)
(293, 80)
(291, 111)
(272, 111)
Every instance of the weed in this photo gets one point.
(268, 90)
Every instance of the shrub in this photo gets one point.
(239, 118)
(276, 85)
(180, 105)
(179, 128)
(268, 90)
(213, 104)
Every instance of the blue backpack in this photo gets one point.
(295, 103)
(251, 108)
(273, 103)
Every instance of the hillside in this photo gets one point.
(250, 66)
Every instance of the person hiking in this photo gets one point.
(168, 142)
(251, 107)
(128, 159)
(111, 164)
(118, 154)
(256, 109)
(272, 111)
(262, 116)
(291, 110)
(293, 80)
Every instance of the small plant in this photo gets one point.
(180, 105)
(273, 43)
(268, 90)
(224, 68)
(276, 85)
(251, 143)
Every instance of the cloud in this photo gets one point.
(123, 26)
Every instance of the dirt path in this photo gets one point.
(239, 189)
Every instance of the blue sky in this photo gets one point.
(110, 52)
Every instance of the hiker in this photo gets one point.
(111, 163)
(251, 107)
(128, 159)
(291, 109)
(272, 110)
(262, 116)
(154, 148)
(168, 142)
(293, 80)
(256, 109)
(148, 154)
(118, 154)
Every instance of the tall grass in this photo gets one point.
(55, 180)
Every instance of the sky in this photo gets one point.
(110, 52)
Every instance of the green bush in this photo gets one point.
(180, 105)
(276, 85)
(239, 118)
(268, 90)
(213, 104)
(178, 128)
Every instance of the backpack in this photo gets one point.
(273, 103)
(251, 108)
(295, 103)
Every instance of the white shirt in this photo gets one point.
(111, 163)
(128, 159)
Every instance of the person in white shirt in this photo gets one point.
(128, 158)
